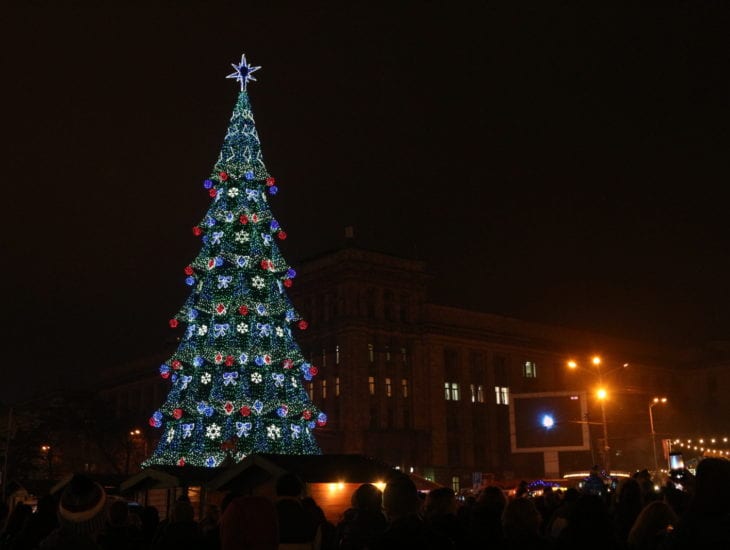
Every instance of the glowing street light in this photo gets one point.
(601, 395)
(655, 401)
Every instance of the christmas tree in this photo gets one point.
(238, 376)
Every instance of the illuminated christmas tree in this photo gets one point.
(238, 376)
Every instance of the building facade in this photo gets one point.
(427, 387)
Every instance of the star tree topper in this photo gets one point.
(243, 72)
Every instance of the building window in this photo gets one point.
(337, 386)
(501, 394)
(451, 391)
(371, 353)
(529, 369)
(404, 354)
(371, 384)
(480, 393)
(310, 391)
(455, 484)
(324, 357)
(324, 389)
(387, 353)
(388, 388)
(404, 387)
(473, 391)
(337, 355)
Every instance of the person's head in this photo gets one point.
(440, 501)
(656, 517)
(258, 515)
(492, 498)
(367, 497)
(183, 511)
(711, 488)
(521, 519)
(289, 485)
(400, 498)
(82, 509)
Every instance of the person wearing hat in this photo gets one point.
(82, 515)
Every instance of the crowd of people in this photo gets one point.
(635, 516)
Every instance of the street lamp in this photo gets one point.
(601, 395)
(654, 401)
(46, 450)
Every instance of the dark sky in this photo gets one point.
(549, 163)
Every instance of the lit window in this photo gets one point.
(337, 355)
(404, 387)
(501, 394)
(387, 353)
(324, 389)
(473, 391)
(403, 354)
(455, 484)
(451, 391)
(371, 353)
(371, 384)
(310, 390)
(388, 387)
(480, 394)
(337, 386)
(529, 369)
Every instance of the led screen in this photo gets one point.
(548, 422)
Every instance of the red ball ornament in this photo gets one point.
(306, 414)
(176, 364)
(243, 310)
(189, 270)
(223, 176)
(177, 414)
(165, 375)
(243, 219)
(281, 235)
(245, 411)
(270, 181)
(213, 193)
(197, 231)
(229, 360)
(303, 324)
(287, 283)
(152, 422)
(313, 371)
(173, 323)
(287, 363)
(321, 422)
(181, 462)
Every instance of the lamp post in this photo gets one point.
(47, 450)
(654, 401)
(601, 395)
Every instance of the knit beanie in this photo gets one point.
(82, 509)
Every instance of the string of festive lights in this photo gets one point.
(705, 445)
(238, 376)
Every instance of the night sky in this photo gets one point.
(551, 164)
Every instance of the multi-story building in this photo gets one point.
(427, 387)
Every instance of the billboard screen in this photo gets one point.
(550, 421)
